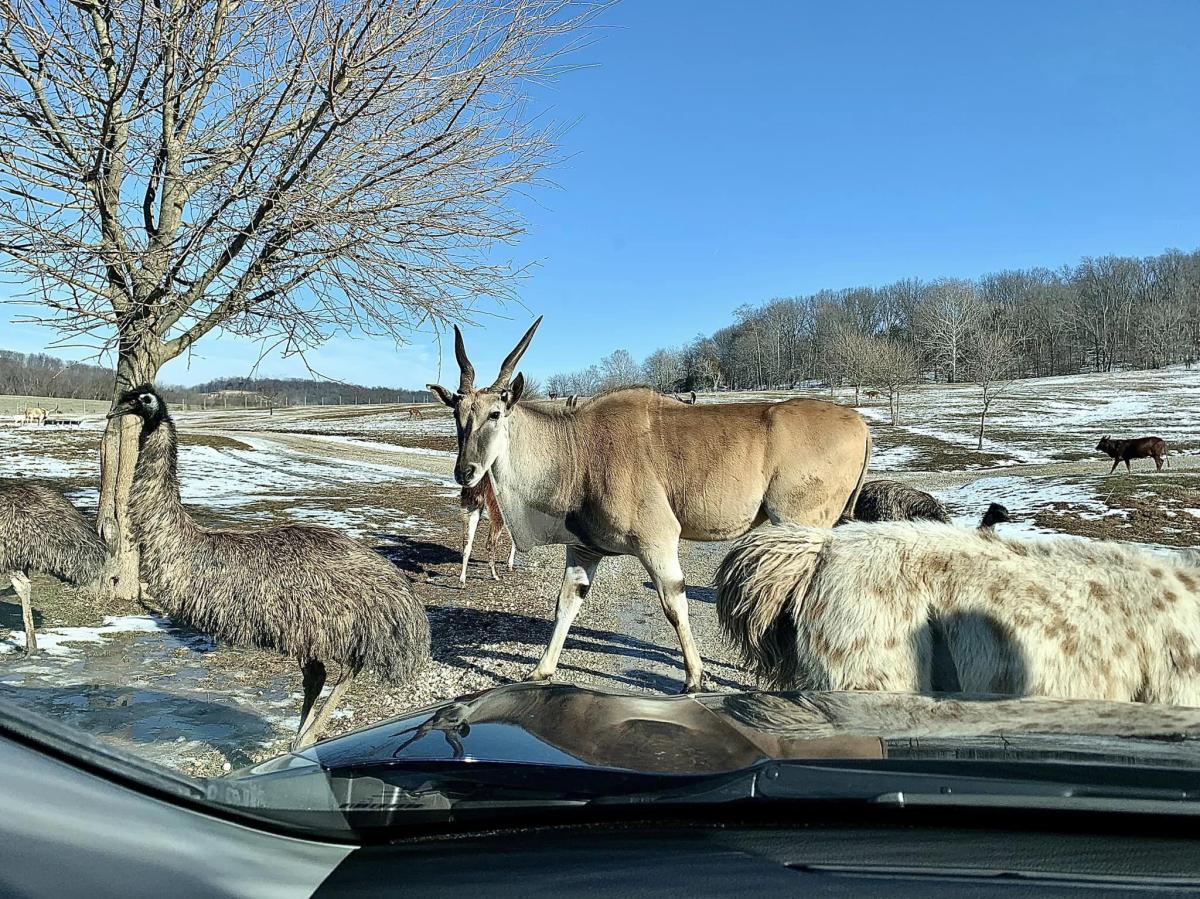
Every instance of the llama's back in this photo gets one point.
(1060, 617)
(41, 531)
(304, 591)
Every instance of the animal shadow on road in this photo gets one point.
(412, 555)
(461, 638)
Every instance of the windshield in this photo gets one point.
(476, 409)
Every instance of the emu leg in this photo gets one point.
(314, 680)
(578, 576)
(20, 582)
(663, 565)
(320, 719)
(470, 523)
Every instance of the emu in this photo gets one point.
(994, 514)
(629, 472)
(884, 500)
(302, 591)
(41, 532)
(853, 609)
(474, 501)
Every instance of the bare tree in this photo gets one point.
(894, 366)
(992, 357)
(854, 358)
(663, 370)
(280, 170)
(948, 311)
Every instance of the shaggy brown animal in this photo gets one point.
(299, 590)
(1138, 448)
(41, 532)
(892, 501)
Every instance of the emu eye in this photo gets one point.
(495, 415)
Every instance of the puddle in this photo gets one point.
(147, 686)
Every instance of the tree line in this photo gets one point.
(1103, 313)
(39, 374)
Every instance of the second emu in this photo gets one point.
(306, 592)
(41, 532)
(884, 500)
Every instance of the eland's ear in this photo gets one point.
(450, 399)
(512, 395)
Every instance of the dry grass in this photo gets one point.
(1152, 506)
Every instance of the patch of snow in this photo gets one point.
(52, 641)
(895, 458)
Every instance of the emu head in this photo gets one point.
(145, 402)
(481, 416)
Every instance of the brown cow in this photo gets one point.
(1138, 448)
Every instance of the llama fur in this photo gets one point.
(852, 609)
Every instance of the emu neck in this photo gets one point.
(154, 504)
(536, 479)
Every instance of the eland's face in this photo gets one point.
(481, 418)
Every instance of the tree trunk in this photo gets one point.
(118, 455)
(982, 420)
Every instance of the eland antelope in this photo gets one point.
(629, 472)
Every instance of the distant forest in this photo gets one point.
(1102, 313)
(37, 374)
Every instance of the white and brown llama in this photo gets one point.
(853, 609)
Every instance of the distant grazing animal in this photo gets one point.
(873, 394)
(1138, 448)
(885, 500)
(853, 609)
(688, 398)
(994, 514)
(414, 413)
(630, 472)
(35, 416)
(41, 532)
(303, 591)
(474, 502)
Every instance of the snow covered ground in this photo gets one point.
(383, 477)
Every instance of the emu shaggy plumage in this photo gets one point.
(853, 609)
(892, 501)
(40, 532)
(303, 591)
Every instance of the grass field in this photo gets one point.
(382, 476)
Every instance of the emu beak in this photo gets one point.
(123, 409)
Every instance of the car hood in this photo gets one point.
(562, 725)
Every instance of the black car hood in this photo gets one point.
(562, 725)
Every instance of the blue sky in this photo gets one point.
(729, 153)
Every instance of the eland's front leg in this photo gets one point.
(663, 565)
(578, 576)
(470, 523)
